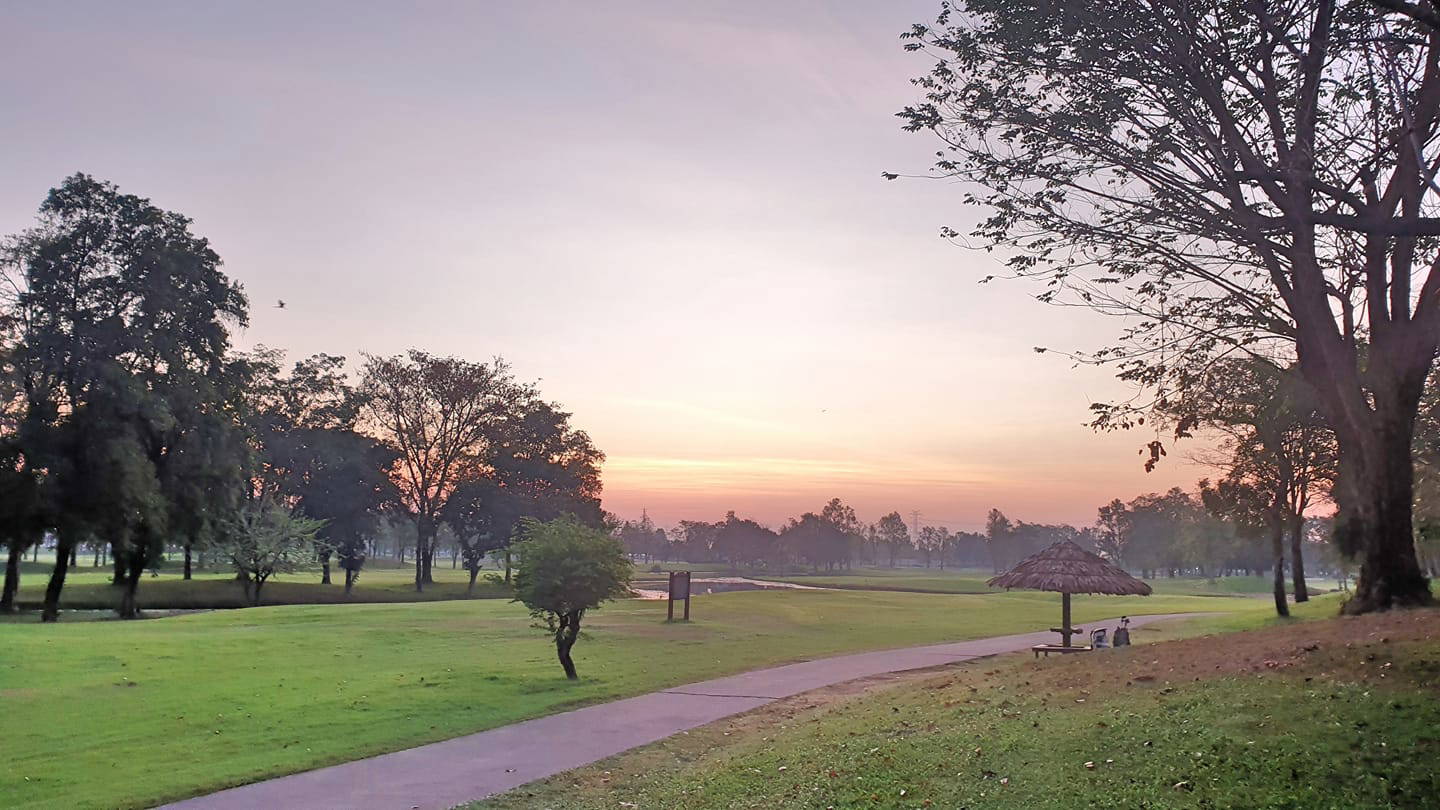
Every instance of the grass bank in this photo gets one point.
(200, 702)
(1335, 713)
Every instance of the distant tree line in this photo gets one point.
(130, 427)
(833, 539)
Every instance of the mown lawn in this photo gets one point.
(88, 588)
(916, 580)
(1339, 714)
(129, 714)
(969, 580)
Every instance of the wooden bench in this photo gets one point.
(1056, 648)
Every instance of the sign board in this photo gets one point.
(679, 590)
(680, 585)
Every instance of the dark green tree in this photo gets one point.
(310, 455)
(484, 516)
(564, 569)
(812, 539)
(23, 516)
(740, 541)
(543, 467)
(117, 308)
(205, 470)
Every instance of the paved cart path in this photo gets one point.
(444, 774)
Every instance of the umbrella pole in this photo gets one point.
(1065, 617)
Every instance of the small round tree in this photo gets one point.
(564, 569)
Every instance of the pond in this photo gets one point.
(28, 616)
(659, 588)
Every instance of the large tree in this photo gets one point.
(1231, 177)
(484, 516)
(115, 311)
(439, 413)
(545, 467)
(815, 540)
(206, 469)
(23, 514)
(893, 534)
(739, 540)
(998, 531)
(310, 455)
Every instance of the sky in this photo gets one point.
(671, 215)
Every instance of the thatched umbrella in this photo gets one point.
(1068, 568)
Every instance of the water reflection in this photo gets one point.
(659, 589)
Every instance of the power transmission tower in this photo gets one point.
(915, 521)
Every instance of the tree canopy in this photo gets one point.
(1230, 178)
(566, 568)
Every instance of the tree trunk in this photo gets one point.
(1277, 550)
(324, 570)
(117, 561)
(349, 580)
(474, 572)
(51, 610)
(187, 560)
(12, 576)
(507, 565)
(1374, 494)
(565, 639)
(128, 607)
(1297, 558)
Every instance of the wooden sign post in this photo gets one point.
(679, 589)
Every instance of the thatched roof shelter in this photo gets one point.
(1068, 568)
(1064, 567)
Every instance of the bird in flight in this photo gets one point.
(279, 304)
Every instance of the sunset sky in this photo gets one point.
(670, 213)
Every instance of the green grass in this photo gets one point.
(914, 580)
(933, 580)
(200, 702)
(88, 588)
(1338, 728)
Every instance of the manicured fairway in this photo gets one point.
(126, 714)
(918, 580)
(88, 588)
(970, 580)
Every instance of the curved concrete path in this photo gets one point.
(444, 774)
